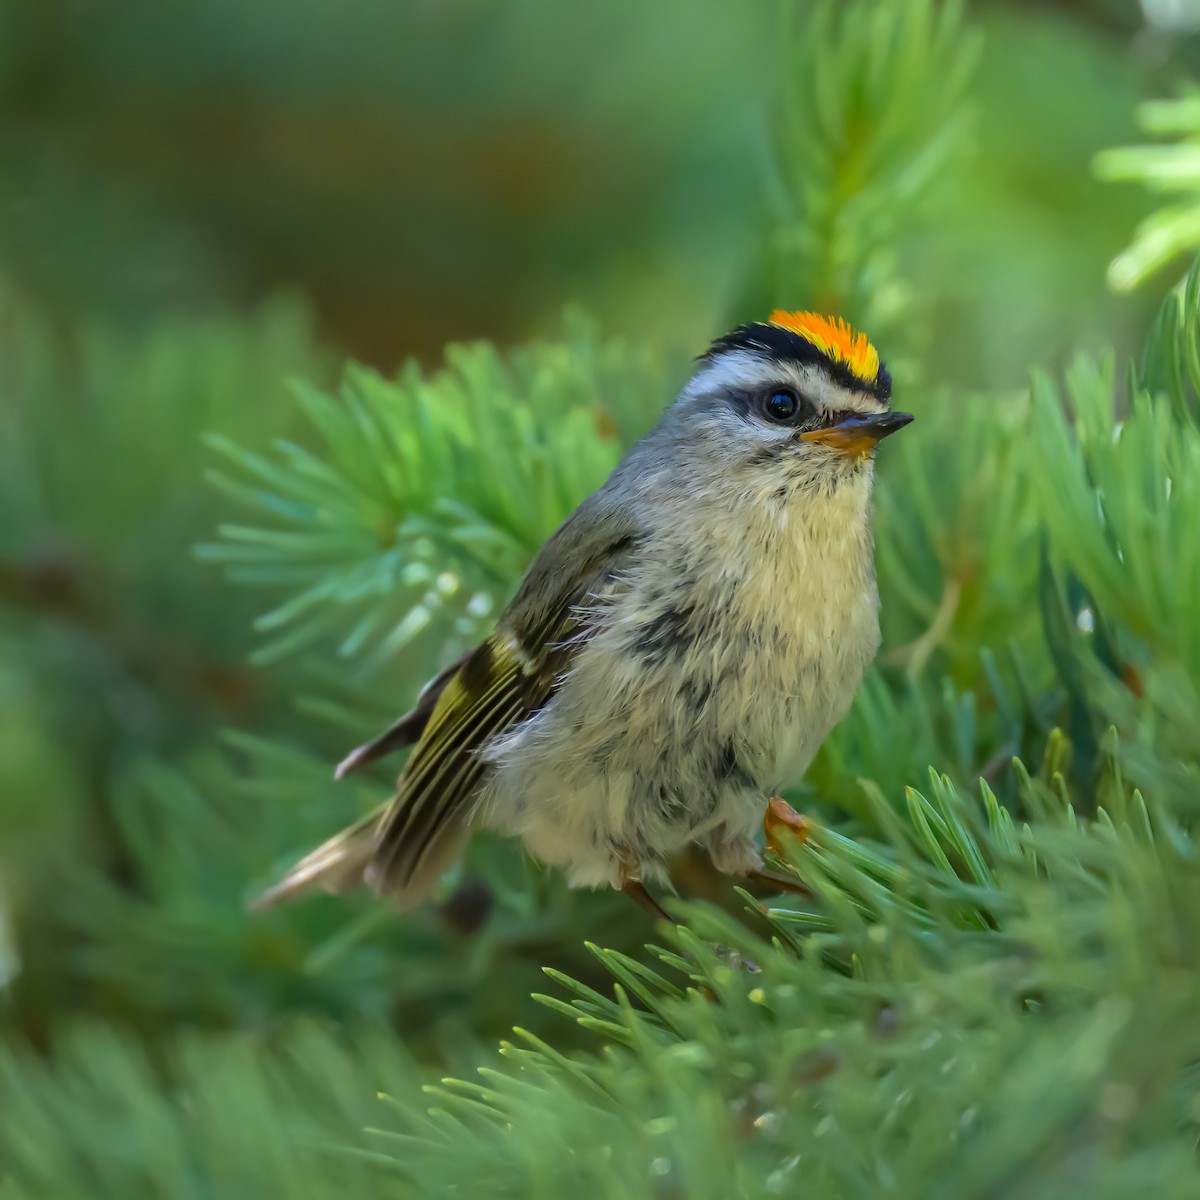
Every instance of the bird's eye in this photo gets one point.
(781, 406)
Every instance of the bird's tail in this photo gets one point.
(338, 865)
(346, 862)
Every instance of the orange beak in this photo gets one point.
(858, 435)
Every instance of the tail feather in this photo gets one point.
(338, 865)
(347, 861)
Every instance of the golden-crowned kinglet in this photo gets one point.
(676, 652)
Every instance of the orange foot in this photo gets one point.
(780, 816)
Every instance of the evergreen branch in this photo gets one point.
(1162, 169)
(871, 116)
(430, 492)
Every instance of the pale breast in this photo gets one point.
(744, 640)
(801, 611)
(712, 677)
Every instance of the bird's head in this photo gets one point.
(800, 400)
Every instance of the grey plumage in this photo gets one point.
(676, 652)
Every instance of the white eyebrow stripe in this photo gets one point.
(745, 369)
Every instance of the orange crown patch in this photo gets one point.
(835, 339)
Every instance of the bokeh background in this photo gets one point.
(203, 201)
(422, 173)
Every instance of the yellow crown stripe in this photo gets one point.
(835, 339)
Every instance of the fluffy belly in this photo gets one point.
(697, 695)
(633, 759)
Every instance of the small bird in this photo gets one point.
(676, 652)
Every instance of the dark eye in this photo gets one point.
(781, 406)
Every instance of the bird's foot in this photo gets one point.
(637, 891)
(781, 818)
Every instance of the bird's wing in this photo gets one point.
(406, 729)
(509, 677)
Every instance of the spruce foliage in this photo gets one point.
(993, 990)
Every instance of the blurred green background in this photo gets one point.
(422, 173)
(204, 200)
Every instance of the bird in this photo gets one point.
(676, 652)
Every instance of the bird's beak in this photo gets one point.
(859, 434)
